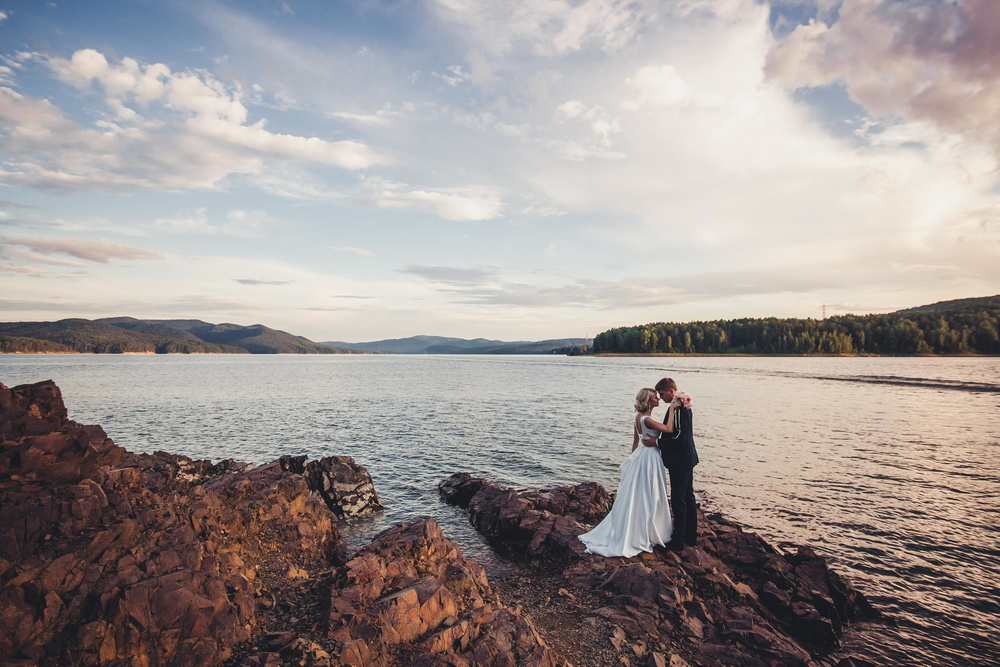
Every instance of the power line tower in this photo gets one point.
(824, 311)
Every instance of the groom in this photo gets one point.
(679, 457)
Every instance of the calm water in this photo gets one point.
(890, 467)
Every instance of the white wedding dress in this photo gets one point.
(640, 517)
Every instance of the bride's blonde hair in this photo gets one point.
(642, 399)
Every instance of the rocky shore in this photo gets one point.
(114, 558)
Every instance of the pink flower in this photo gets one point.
(682, 398)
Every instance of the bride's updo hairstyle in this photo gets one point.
(643, 400)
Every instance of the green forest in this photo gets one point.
(965, 331)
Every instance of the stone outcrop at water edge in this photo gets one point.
(731, 600)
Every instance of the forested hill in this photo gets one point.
(957, 304)
(124, 335)
(924, 330)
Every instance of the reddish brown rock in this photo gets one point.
(412, 593)
(540, 525)
(109, 557)
(459, 489)
(344, 486)
(732, 600)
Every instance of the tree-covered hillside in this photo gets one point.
(121, 335)
(964, 331)
(22, 345)
(99, 338)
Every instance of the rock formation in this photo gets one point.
(114, 558)
(110, 557)
(411, 598)
(731, 600)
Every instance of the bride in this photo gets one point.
(640, 517)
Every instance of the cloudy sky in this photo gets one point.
(511, 169)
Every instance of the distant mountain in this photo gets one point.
(81, 335)
(444, 345)
(413, 344)
(555, 345)
(256, 338)
(118, 335)
(956, 304)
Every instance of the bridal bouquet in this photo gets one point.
(683, 398)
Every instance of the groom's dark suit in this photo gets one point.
(680, 457)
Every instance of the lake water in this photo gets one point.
(890, 467)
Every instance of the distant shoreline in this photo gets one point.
(743, 354)
(537, 354)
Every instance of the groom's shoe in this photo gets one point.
(674, 545)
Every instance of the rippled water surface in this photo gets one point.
(890, 467)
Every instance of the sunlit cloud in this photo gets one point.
(355, 251)
(101, 251)
(460, 204)
(548, 29)
(452, 275)
(161, 129)
(254, 282)
(935, 63)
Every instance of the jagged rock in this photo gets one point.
(732, 600)
(539, 525)
(344, 486)
(459, 489)
(411, 587)
(110, 557)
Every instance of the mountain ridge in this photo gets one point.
(425, 344)
(955, 304)
(129, 335)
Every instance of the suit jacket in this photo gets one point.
(677, 449)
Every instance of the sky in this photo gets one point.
(513, 170)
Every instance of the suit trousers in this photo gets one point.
(683, 504)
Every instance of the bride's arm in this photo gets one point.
(668, 427)
(635, 439)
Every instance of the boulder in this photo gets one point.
(539, 525)
(411, 592)
(344, 486)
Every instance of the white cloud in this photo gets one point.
(455, 75)
(547, 27)
(254, 282)
(101, 251)
(28, 256)
(924, 62)
(379, 118)
(453, 276)
(656, 86)
(463, 204)
(482, 73)
(575, 151)
(238, 222)
(355, 251)
(162, 130)
(572, 109)
(211, 109)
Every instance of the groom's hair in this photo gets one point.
(666, 383)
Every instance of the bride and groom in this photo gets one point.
(640, 518)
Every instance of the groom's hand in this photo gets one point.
(649, 441)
